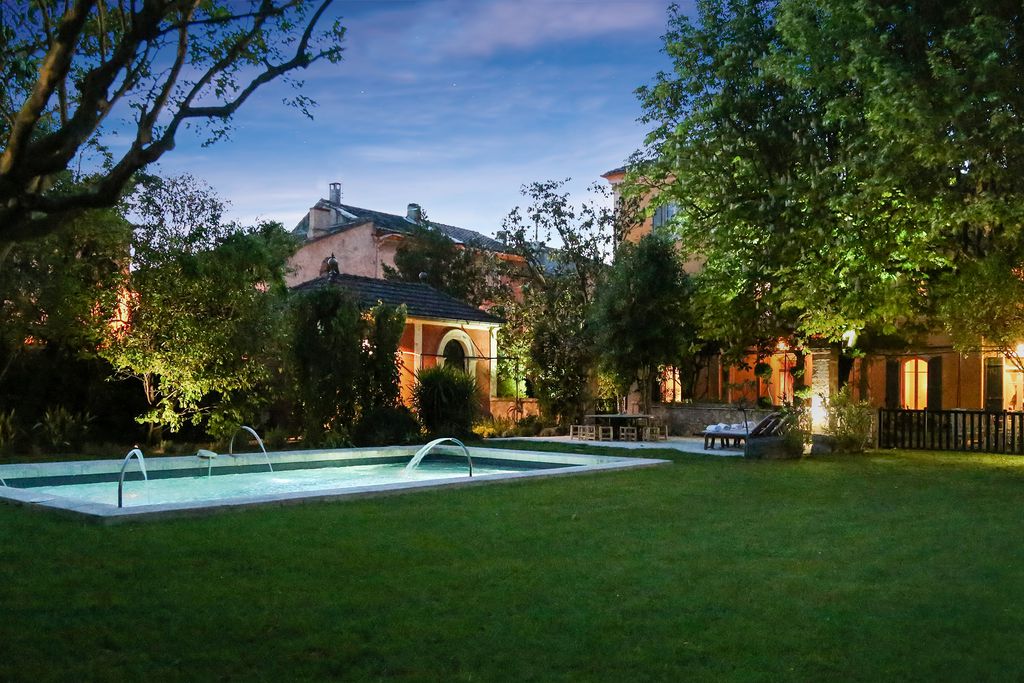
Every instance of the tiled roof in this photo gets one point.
(614, 171)
(399, 224)
(421, 301)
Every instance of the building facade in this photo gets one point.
(348, 247)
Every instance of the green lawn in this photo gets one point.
(891, 566)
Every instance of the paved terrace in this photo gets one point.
(685, 444)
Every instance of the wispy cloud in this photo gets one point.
(454, 104)
(484, 29)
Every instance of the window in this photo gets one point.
(664, 213)
(915, 384)
(454, 355)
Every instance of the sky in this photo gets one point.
(451, 104)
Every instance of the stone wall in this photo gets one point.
(503, 407)
(692, 419)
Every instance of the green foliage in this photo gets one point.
(61, 430)
(8, 429)
(531, 425)
(74, 75)
(52, 289)
(379, 387)
(206, 309)
(835, 162)
(641, 315)
(849, 422)
(494, 427)
(388, 425)
(983, 306)
(795, 429)
(276, 438)
(346, 363)
(563, 250)
(447, 401)
(428, 255)
(327, 340)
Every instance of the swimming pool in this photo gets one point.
(179, 486)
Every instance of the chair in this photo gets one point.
(576, 431)
(605, 433)
(766, 439)
(588, 432)
(627, 433)
(656, 431)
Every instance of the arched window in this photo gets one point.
(455, 355)
(915, 384)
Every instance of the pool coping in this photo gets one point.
(110, 514)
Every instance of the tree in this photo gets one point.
(561, 268)
(936, 86)
(205, 307)
(761, 167)
(840, 164)
(75, 72)
(51, 290)
(54, 296)
(346, 362)
(427, 255)
(641, 315)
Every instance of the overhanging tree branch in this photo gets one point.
(106, 54)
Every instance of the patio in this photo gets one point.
(683, 444)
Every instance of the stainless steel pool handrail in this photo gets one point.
(120, 481)
(231, 446)
(427, 448)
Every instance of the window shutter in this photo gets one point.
(892, 384)
(935, 383)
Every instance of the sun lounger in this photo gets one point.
(727, 434)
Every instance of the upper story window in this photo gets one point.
(664, 213)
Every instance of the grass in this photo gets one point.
(888, 566)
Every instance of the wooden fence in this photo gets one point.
(952, 430)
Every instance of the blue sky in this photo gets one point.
(453, 104)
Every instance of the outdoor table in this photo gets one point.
(619, 420)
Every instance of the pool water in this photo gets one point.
(222, 486)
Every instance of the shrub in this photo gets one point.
(795, 430)
(446, 401)
(389, 425)
(529, 426)
(277, 438)
(8, 430)
(494, 427)
(848, 422)
(61, 430)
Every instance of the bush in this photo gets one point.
(277, 438)
(61, 430)
(795, 430)
(529, 426)
(446, 401)
(391, 425)
(494, 427)
(848, 422)
(8, 430)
